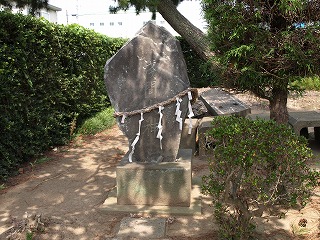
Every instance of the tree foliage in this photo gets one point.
(33, 5)
(200, 72)
(264, 45)
(140, 5)
(195, 38)
(260, 46)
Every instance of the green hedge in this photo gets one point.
(51, 76)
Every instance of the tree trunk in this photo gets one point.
(278, 105)
(193, 35)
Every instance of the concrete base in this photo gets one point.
(110, 205)
(155, 184)
(162, 188)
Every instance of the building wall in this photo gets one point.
(94, 14)
(121, 24)
(49, 14)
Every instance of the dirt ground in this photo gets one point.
(68, 185)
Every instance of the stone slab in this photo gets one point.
(142, 228)
(205, 146)
(189, 141)
(300, 121)
(110, 205)
(162, 184)
(219, 102)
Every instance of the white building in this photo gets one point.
(94, 14)
(51, 13)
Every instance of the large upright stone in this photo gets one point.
(149, 69)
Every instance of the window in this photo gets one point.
(111, 23)
(101, 24)
(45, 15)
(91, 24)
(120, 23)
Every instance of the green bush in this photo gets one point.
(50, 74)
(101, 121)
(256, 165)
(307, 83)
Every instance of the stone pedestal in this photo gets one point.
(155, 184)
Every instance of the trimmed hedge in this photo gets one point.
(51, 76)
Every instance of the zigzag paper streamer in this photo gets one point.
(191, 114)
(178, 112)
(136, 139)
(160, 127)
(123, 118)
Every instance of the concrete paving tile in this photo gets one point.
(142, 228)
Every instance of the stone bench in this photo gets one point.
(301, 121)
(219, 103)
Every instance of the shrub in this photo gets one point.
(256, 165)
(307, 83)
(50, 74)
(98, 123)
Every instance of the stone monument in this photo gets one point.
(148, 87)
(148, 70)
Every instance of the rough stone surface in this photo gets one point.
(147, 70)
(219, 102)
(161, 184)
(199, 109)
